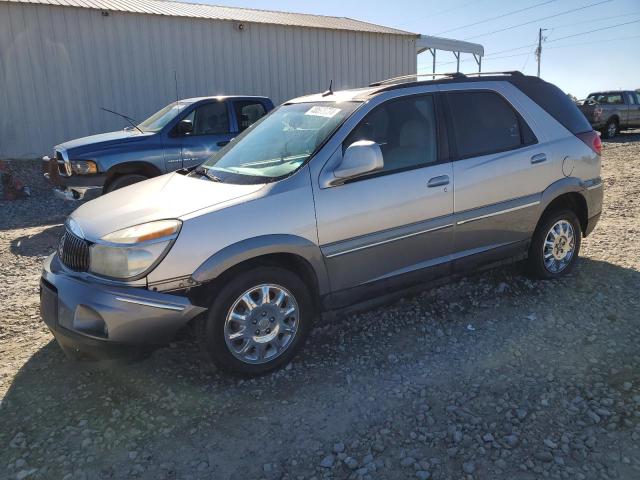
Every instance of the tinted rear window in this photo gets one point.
(555, 102)
(485, 123)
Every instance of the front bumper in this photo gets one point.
(97, 321)
(73, 187)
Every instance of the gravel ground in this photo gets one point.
(493, 376)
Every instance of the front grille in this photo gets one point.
(74, 252)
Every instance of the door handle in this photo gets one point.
(222, 143)
(438, 181)
(539, 158)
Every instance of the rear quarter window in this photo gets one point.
(555, 102)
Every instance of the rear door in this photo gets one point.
(500, 172)
(211, 131)
(633, 100)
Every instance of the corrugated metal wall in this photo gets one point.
(59, 65)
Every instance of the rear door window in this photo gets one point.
(485, 123)
(248, 112)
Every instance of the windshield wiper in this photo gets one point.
(200, 170)
(128, 119)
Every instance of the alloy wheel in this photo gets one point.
(261, 324)
(559, 246)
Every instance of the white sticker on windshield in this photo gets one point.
(322, 111)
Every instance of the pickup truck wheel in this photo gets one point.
(124, 181)
(555, 245)
(257, 321)
(610, 130)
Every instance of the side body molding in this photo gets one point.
(255, 247)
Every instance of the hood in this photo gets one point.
(104, 139)
(168, 196)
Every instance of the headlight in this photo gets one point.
(132, 251)
(84, 167)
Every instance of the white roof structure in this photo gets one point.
(431, 44)
(216, 12)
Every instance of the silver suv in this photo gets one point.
(333, 200)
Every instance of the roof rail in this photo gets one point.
(416, 75)
(459, 75)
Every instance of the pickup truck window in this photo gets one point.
(279, 143)
(607, 98)
(247, 113)
(210, 119)
(158, 120)
(632, 98)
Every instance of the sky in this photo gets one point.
(580, 64)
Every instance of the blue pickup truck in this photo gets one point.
(181, 135)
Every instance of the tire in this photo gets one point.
(611, 129)
(267, 330)
(125, 181)
(565, 249)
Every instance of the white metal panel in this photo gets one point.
(59, 65)
(218, 12)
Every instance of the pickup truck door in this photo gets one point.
(633, 115)
(211, 131)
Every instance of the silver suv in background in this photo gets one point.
(332, 201)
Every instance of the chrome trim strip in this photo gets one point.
(382, 242)
(147, 303)
(593, 187)
(500, 212)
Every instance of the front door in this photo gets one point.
(394, 224)
(211, 131)
(500, 173)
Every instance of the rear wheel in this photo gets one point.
(125, 181)
(611, 129)
(257, 322)
(555, 244)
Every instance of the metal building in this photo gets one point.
(61, 60)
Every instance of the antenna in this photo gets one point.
(330, 91)
(175, 80)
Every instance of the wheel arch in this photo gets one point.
(567, 193)
(140, 167)
(613, 117)
(289, 251)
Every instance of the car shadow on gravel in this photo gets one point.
(39, 244)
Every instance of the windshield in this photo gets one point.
(158, 120)
(279, 143)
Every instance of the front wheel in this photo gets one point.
(555, 245)
(257, 321)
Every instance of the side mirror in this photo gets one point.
(360, 158)
(185, 127)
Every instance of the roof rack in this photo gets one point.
(459, 75)
(416, 75)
